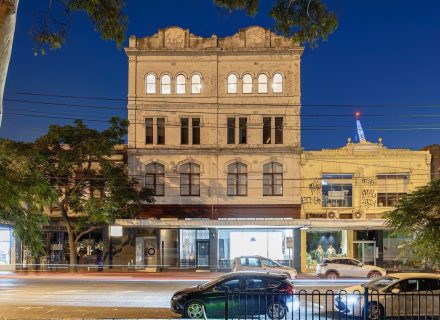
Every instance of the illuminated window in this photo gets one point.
(150, 83)
(237, 179)
(196, 84)
(262, 83)
(337, 190)
(273, 179)
(165, 83)
(391, 188)
(247, 83)
(155, 178)
(180, 84)
(277, 83)
(232, 83)
(190, 179)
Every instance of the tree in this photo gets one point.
(92, 189)
(418, 215)
(308, 20)
(24, 195)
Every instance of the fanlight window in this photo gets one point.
(232, 83)
(196, 84)
(180, 84)
(247, 83)
(150, 84)
(165, 83)
(262, 83)
(277, 83)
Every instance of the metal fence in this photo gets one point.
(341, 305)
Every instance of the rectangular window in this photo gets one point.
(267, 130)
(160, 130)
(149, 131)
(337, 190)
(391, 188)
(195, 130)
(278, 130)
(184, 131)
(242, 127)
(231, 131)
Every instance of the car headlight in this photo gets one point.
(179, 296)
(353, 299)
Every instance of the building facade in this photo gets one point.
(434, 150)
(215, 132)
(351, 187)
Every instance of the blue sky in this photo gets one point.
(382, 61)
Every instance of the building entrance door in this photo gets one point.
(365, 251)
(202, 254)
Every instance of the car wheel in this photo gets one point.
(375, 311)
(276, 311)
(374, 275)
(194, 310)
(332, 275)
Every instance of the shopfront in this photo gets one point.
(7, 248)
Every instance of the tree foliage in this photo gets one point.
(309, 21)
(418, 215)
(24, 194)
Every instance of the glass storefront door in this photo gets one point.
(365, 251)
(202, 253)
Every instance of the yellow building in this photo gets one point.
(344, 193)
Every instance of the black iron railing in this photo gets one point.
(342, 305)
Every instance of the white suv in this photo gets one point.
(333, 268)
(259, 263)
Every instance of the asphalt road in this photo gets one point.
(23, 298)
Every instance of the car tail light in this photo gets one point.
(288, 289)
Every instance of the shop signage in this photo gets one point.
(289, 242)
(57, 247)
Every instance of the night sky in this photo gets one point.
(384, 61)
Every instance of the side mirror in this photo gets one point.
(395, 291)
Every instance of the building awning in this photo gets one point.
(317, 224)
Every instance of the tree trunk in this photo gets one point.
(71, 237)
(8, 15)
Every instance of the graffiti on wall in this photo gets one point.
(315, 190)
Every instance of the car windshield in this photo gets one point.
(270, 263)
(380, 283)
(213, 281)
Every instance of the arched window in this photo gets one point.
(262, 83)
(165, 84)
(190, 179)
(237, 179)
(277, 83)
(196, 84)
(180, 84)
(247, 83)
(150, 84)
(155, 178)
(232, 83)
(273, 179)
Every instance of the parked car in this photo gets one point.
(333, 268)
(259, 263)
(250, 294)
(397, 295)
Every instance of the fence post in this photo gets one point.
(366, 304)
(226, 303)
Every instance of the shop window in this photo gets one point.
(247, 83)
(150, 84)
(237, 179)
(190, 179)
(5, 246)
(196, 84)
(337, 190)
(232, 83)
(262, 83)
(391, 188)
(180, 84)
(321, 245)
(277, 83)
(165, 84)
(273, 179)
(155, 178)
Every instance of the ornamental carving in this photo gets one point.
(174, 38)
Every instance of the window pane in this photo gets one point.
(232, 168)
(151, 83)
(267, 190)
(232, 190)
(196, 84)
(231, 131)
(195, 168)
(149, 130)
(149, 181)
(242, 190)
(159, 168)
(247, 83)
(160, 130)
(195, 179)
(184, 179)
(242, 168)
(262, 83)
(195, 190)
(185, 168)
(277, 167)
(166, 84)
(242, 178)
(278, 130)
(180, 84)
(160, 190)
(278, 190)
(277, 83)
(184, 190)
(196, 130)
(232, 83)
(242, 130)
(267, 130)
(184, 131)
